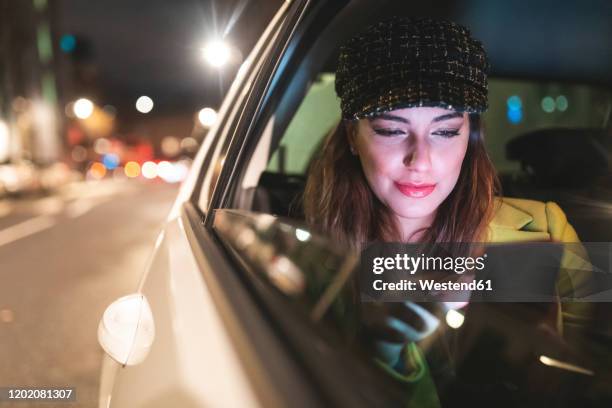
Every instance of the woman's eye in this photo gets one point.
(446, 132)
(389, 132)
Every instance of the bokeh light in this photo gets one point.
(144, 104)
(515, 116)
(149, 170)
(216, 53)
(548, 104)
(302, 235)
(514, 102)
(166, 172)
(78, 154)
(515, 109)
(189, 144)
(207, 117)
(562, 103)
(97, 171)
(102, 145)
(132, 169)
(454, 319)
(110, 161)
(67, 42)
(83, 108)
(170, 146)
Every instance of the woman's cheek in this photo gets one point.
(448, 164)
(381, 163)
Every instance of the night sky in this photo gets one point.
(152, 47)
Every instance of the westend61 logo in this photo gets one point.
(411, 264)
(477, 272)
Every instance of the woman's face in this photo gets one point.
(412, 157)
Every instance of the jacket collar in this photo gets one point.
(509, 216)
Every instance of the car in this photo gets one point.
(241, 304)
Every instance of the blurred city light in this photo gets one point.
(189, 144)
(83, 108)
(454, 319)
(132, 169)
(182, 169)
(515, 109)
(216, 53)
(110, 161)
(514, 102)
(166, 172)
(207, 117)
(515, 116)
(149, 170)
(144, 104)
(67, 43)
(4, 141)
(97, 171)
(548, 104)
(102, 146)
(79, 154)
(562, 103)
(302, 235)
(170, 146)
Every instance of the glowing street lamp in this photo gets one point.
(216, 53)
(144, 104)
(83, 108)
(207, 117)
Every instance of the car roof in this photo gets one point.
(568, 41)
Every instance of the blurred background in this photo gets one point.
(103, 105)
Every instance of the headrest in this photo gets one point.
(561, 157)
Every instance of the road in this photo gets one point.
(63, 259)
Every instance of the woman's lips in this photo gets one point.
(415, 190)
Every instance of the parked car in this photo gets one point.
(238, 307)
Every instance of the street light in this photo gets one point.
(216, 53)
(207, 117)
(144, 104)
(83, 108)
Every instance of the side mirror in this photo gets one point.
(126, 330)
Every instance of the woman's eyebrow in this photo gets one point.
(388, 116)
(447, 116)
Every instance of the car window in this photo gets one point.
(316, 116)
(212, 147)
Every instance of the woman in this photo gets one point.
(408, 163)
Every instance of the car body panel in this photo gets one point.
(192, 362)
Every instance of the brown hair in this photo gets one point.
(339, 202)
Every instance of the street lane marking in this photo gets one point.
(26, 228)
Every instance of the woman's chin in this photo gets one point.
(415, 211)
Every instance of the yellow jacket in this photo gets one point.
(520, 220)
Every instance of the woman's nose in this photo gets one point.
(417, 156)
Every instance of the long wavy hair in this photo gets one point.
(339, 202)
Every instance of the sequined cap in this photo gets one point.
(410, 62)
